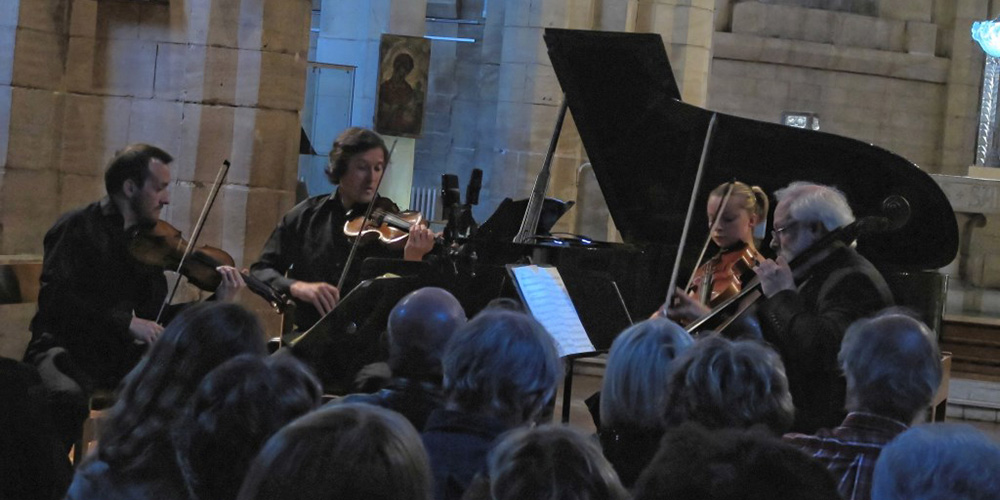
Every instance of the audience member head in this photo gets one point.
(347, 145)
(892, 365)
(720, 383)
(154, 393)
(635, 381)
(551, 462)
(732, 464)
(938, 462)
(502, 364)
(419, 328)
(343, 452)
(237, 407)
(505, 304)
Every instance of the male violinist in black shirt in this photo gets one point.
(309, 243)
(805, 313)
(97, 304)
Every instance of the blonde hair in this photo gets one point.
(754, 198)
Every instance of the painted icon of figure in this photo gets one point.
(400, 106)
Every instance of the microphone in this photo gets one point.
(450, 193)
(475, 184)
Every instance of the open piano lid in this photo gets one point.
(645, 146)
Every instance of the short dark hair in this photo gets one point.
(725, 464)
(132, 163)
(551, 461)
(351, 450)
(347, 145)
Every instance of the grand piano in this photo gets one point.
(645, 146)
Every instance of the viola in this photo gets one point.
(722, 277)
(388, 227)
(162, 245)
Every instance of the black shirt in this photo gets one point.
(90, 288)
(309, 244)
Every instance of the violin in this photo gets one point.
(162, 245)
(722, 277)
(800, 266)
(384, 226)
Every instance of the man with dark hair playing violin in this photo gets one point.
(97, 304)
(806, 310)
(309, 243)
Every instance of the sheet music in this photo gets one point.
(545, 294)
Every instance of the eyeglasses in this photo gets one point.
(775, 232)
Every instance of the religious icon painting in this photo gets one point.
(404, 62)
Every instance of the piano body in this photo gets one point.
(645, 146)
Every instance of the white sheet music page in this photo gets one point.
(545, 294)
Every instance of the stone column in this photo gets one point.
(8, 30)
(687, 28)
(964, 77)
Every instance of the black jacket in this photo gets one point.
(807, 326)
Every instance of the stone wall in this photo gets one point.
(206, 80)
(493, 104)
(876, 79)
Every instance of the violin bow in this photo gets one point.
(364, 222)
(715, 223)
(216, 186)
(687, 220)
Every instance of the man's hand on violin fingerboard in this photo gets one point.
(322, 296)
(232, 283)
(420, 241)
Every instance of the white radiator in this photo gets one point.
(425, 201)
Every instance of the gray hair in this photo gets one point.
(635, 381)
(503, 364)
(809, 202)
(551, 461)
(938, 462)
(892, 365)
(725, 384)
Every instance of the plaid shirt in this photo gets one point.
(849, 452)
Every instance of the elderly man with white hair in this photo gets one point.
(807, 310)
(893, 369)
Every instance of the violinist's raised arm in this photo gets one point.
(307, 252)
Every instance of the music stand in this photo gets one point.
(602, 313)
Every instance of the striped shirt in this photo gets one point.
(849, 452)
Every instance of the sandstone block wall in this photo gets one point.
(206, 80)
(902, 75)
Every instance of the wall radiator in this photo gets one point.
(425, 201)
